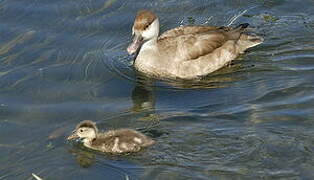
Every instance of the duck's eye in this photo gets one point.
(81, 130)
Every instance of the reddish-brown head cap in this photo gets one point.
(143, 19)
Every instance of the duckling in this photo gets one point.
(113, 141)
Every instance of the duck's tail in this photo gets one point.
(245, 40)
(248, 40)
(235, 33)
(149, 142)
(241, 26)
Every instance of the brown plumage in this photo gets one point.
(113, 141)
(188, 51)
(184, 30)
(144, 19)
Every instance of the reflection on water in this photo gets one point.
(143, 96)
(62, 62)
(83, 158)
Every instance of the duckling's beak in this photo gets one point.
(73, 136)
(135, 45)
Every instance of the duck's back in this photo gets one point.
(184, 30)
(187, 47)
(132, 136)
(122, 141)
(191, 51)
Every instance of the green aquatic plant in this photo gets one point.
(269, 18)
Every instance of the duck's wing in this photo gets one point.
(184, 30)
(130, 136)
(194, 45)
(107, 139)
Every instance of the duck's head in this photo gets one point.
(145, 27)
(84, 130)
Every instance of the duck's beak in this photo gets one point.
(135, 45)
(73, 136)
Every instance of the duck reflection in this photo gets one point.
(143, 98)
(142, 95)
(84, 158)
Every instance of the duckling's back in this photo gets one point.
(132, 136)
(121, 141)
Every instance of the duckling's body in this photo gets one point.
(113, 141)
(119, 141)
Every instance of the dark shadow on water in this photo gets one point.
(143, 97)
(84, 158)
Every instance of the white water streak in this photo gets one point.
(235, 17)
(36, 177)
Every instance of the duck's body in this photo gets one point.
(119, 141)
(113, 141)
(185, 52)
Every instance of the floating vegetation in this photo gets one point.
(269, 18)
(265, 17)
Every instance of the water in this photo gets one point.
(65, 61)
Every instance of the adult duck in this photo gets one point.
(185, 52)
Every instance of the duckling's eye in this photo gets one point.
(81, 130)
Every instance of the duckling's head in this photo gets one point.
(145, 27)
(85, 130)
